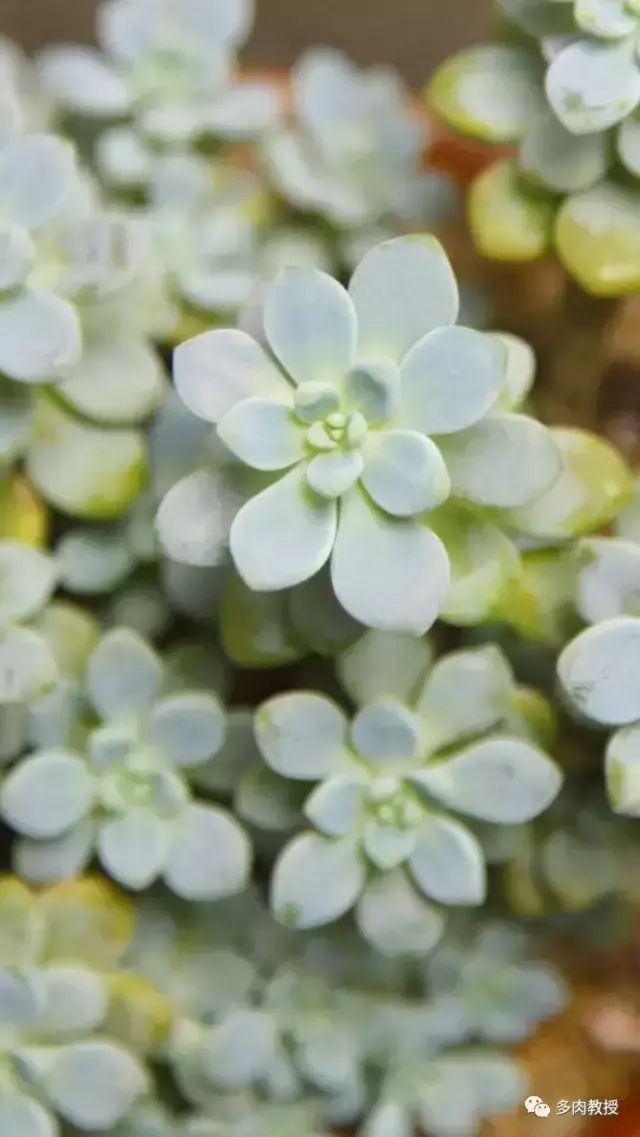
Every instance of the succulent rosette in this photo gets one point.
(379, 409)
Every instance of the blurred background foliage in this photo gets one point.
(414, 35)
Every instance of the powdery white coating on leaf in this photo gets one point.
(600, 672)
(396, 920)
(301, 735)
(490, 92)
(391, 574)
(47, 794)
(316, 881)
(447, 863)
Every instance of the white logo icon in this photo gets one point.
(536, 1105)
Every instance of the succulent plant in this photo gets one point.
(563, 82)
(279, 632)
(388, 787)
(352, 151)
(127, 794)
(169, 68)
(379, 411)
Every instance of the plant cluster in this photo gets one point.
(250, 421)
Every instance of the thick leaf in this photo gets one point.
(336, 805)
(80, 79)
(40, 336)
(27, 666)
(21, 1115)
(63, 858)
(76, 1001)
(124, 675)
(283, 535)
(389, 573)
(187, 728)
(621, 771)
(402, 289)
(608, 579)
(195, 518)
(385, 732)
(502, 780)
(47, 794)
(82, 470)
(505, 460)
(92, 1084)
(447, 863)
(450, 379)
(134, 848)
(263, 434)
(302, 735)
(254, 628)
(484, 563)
(508, 218)
(592, 86)
(384, 663)
(37, 178)
(27, 581)
(553, 157)
(216, 370)
(489, 92)
(598, 238)
(396, 920)
(600, 672)
(404, 472)
(311, 325)
(115, 381)
(316, 881)
(594, 484)
(210, 857)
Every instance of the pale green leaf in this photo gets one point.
(404, 472)
(396, 920)
(263, 434)
(450, 379)
(401, 290)
(489, 92)
(302, 735)
(600, 672)
(447, 863)
(316, 881)
(124, 674)
(215, 370)
(210, 857)
(311, 325)
(389, 573)
(47, 794)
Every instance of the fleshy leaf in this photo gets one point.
(188, 728)
(216, 370)
(195, 518)
(40, 335)
(450, 379)
(134, 848)
(84, 471)
(254, 629)
(124, 674)
(509, 219)
(263, 434)
(284, 535)
(115, 381)
(484, 563)
(80, 79)
(592, 85)
(385, 731)
(316, 881)
(47, 794)
(600, 672)
(396, 920)
(389, 573)
(211, 855)
(93, 1084)
(597, 237)
(488, 92)
(551, 156)
(311, 325)
(384, 663)
(608, 579)
(503, 780)
(302, 735)
(335, 806)
(402, 289)
(447, 863)
(505, 460)
(404, 473)
(621, 771)
(594, 484)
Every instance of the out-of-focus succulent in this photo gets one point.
(563, 82)
(128, 794)
(388, 787)
(27, 581)
(57, 952)
(353, 150)
(374, 376)
(489, 981)
(169, 69)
